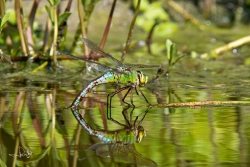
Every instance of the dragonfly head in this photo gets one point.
(142, 79)
(140, 133)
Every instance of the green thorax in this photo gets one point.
(126, 78)
(123, 136)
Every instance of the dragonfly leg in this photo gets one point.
(145, 113)
(143, 96)
(131, 115)
(123, 99)
(131, 101)
(117, 122)
(109, 100)
(130, 90)
(125, 115)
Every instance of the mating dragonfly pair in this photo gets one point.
(122, 74)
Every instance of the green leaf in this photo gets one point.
(5, 19)
(49, 13)
(56, 2)
(63, 17)
(51, 2)
(173, 51)
(2, 163)
(88, 6)
(168, 46)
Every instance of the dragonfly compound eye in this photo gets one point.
(142, 78)
(140, 134)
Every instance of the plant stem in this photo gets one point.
(185, 14)
(229, 46)
(83, 28)
(202, 104)
(2, 8)
(29, 35)
(105, 34)
(53, 48)
(131, 30)
(20, 27)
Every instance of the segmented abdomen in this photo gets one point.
(106, 78)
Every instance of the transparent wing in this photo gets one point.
(97, 66)
(93, 46)
(101, 149)
(4, 56)
(119, 151)
(141, 66)
(136, 158)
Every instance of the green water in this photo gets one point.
(212, 136)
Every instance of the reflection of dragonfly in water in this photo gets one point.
(119, 152)
(119, 145)
(129, 134)
(132, 79)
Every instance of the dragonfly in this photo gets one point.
(119, 152)
(121, 74)
(129, 134)
(5, 57)
(119, 144)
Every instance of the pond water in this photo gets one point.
(37, 130)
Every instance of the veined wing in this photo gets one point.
(119, 151)
(141, 66)
(104, 150)
(136, 158)
(97, 66)
(4, 56)
(107, 150)
(93, 46)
